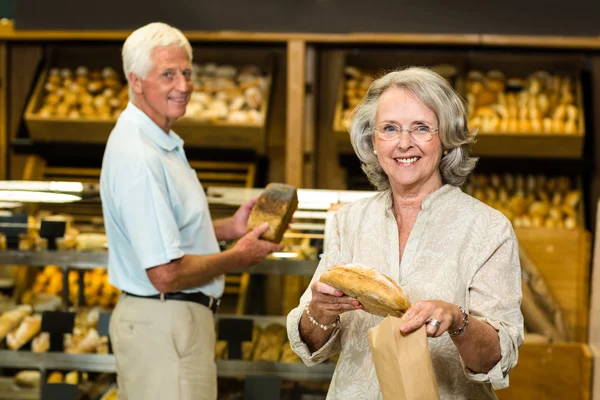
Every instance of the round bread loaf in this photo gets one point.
(376, 292)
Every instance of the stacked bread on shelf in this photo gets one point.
(225, 93)
(356, 84)
(530, 201)
(23, 324)
(269, 343)
(97, 290)
(82, 93)
(222, 93)
(538, 103)
(358, 80)
(73, 238)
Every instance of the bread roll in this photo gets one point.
(27, 378)
(276, 205)
(29, 328)
(12, 319)
(377, 293)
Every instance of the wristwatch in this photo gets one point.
(462, 329)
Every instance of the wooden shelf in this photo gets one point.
(8, 32)
(529, 145)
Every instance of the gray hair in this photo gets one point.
(138, 47)
(438, 95)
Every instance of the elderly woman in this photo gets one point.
(456, 258)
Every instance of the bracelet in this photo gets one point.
(462, 329)
(314, 321)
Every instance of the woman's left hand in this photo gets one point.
(422, 313)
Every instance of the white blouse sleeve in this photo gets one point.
(495, 298)
(330, 257)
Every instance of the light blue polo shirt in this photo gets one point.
(155, 209)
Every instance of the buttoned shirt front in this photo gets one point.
(155, 209)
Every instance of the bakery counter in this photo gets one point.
(91, 260)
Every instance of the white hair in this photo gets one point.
(437, 94)
(138, 47)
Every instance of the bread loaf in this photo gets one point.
(276, 205)
(27, 378)
(377, 293)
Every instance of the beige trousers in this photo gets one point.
(164, 350)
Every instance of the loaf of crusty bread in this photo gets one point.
(276, 205)
(376, 292)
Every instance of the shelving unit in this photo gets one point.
(106, 362)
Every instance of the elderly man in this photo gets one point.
(164, 254)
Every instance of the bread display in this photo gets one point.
(97, 290)
(269, 345)
(29, 327)
(376, 292)
(538, 103)
(357, 81)
(83, 93)
(529, 201)
(288, 355)
(11, 320)
(225, 93)
(27, 379)
(276, 205)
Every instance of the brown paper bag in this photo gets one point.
(402, 362)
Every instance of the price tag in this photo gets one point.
(104, 327)
(235, 331)
(57, 323)
(12, 226)
(51, 230)
(262, 388)
(59, 391)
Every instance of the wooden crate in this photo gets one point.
(549, 372)
(563, 258)
(379, 62)
(537, 145)
(194, 132)
(594, 326)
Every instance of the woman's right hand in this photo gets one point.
(328, 302)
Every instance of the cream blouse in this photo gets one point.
(460, 251)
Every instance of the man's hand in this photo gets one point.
(252, 250)
(234, 227)
(239, 221)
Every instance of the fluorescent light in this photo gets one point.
(66, 187)
(9, 204)
(41, 186)
(317, 196)
(284, 254)
(37, 197)
(314, 206)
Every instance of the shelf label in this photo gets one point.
(57, 323)
(104, 327)
(59, 391)
(12, 226)
(262, 388)
(51, 230)
(235, 331)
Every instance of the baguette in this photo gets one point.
(376, 292)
